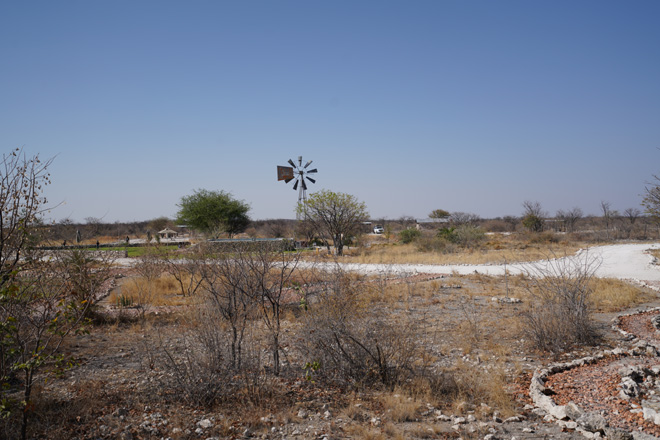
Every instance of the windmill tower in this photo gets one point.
(298, 173)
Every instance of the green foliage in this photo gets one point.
(337, 216)
(446, 233)
(213, 212)
(533, 222)
(468, 235)
(409, 235)
(124, 301)
(310, 369)
(439, 213)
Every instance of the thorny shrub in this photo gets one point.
(354, 343)
(560, 313)
(196, 354)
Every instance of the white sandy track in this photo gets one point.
(623, 261)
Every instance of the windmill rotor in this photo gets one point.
(298, 173)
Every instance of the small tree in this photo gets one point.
(569, 218)
(632, 214)
(464, 218)
(439, 213)
(606, 207)
(533, 217)
(22, 181)
(37, 309)
(213, 212)
(336, 215)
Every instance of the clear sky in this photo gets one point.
(410, 106)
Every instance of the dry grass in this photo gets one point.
(612, 295)
(400, 408)
(476, 385)
(494, 252)
(365, 432)
(163, 291)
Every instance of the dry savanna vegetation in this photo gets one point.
(198, 339)
(251, 342)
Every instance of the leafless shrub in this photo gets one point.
(186, 272)
(197, 356)
(230, 292)
(84, 271)
(251, 279)
(350, 341)
(559, 315)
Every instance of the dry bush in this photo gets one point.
(355, 343)
(187, 273)
(60, 414)
(197, 355)
(559, 315)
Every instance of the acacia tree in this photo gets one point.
(336, 215)
(213, 212)
(439, 213)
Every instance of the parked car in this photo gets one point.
(378, 229)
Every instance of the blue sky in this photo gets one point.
(410, 106)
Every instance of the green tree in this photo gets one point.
(439, 213)
(213, 212)
(534, 216)
(335, 215)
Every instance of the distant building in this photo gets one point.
(167, 233)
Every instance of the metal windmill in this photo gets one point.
(298, 173)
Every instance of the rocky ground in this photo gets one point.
(119, 389)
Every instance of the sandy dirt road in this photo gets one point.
(623, 261)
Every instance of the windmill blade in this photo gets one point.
(308, 163)
(288, 180)
(300, 161)
(310, 179)
(304, 186)
(292, 164)
(313, 171)
(295, 185)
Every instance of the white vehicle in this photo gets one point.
(378, 229)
